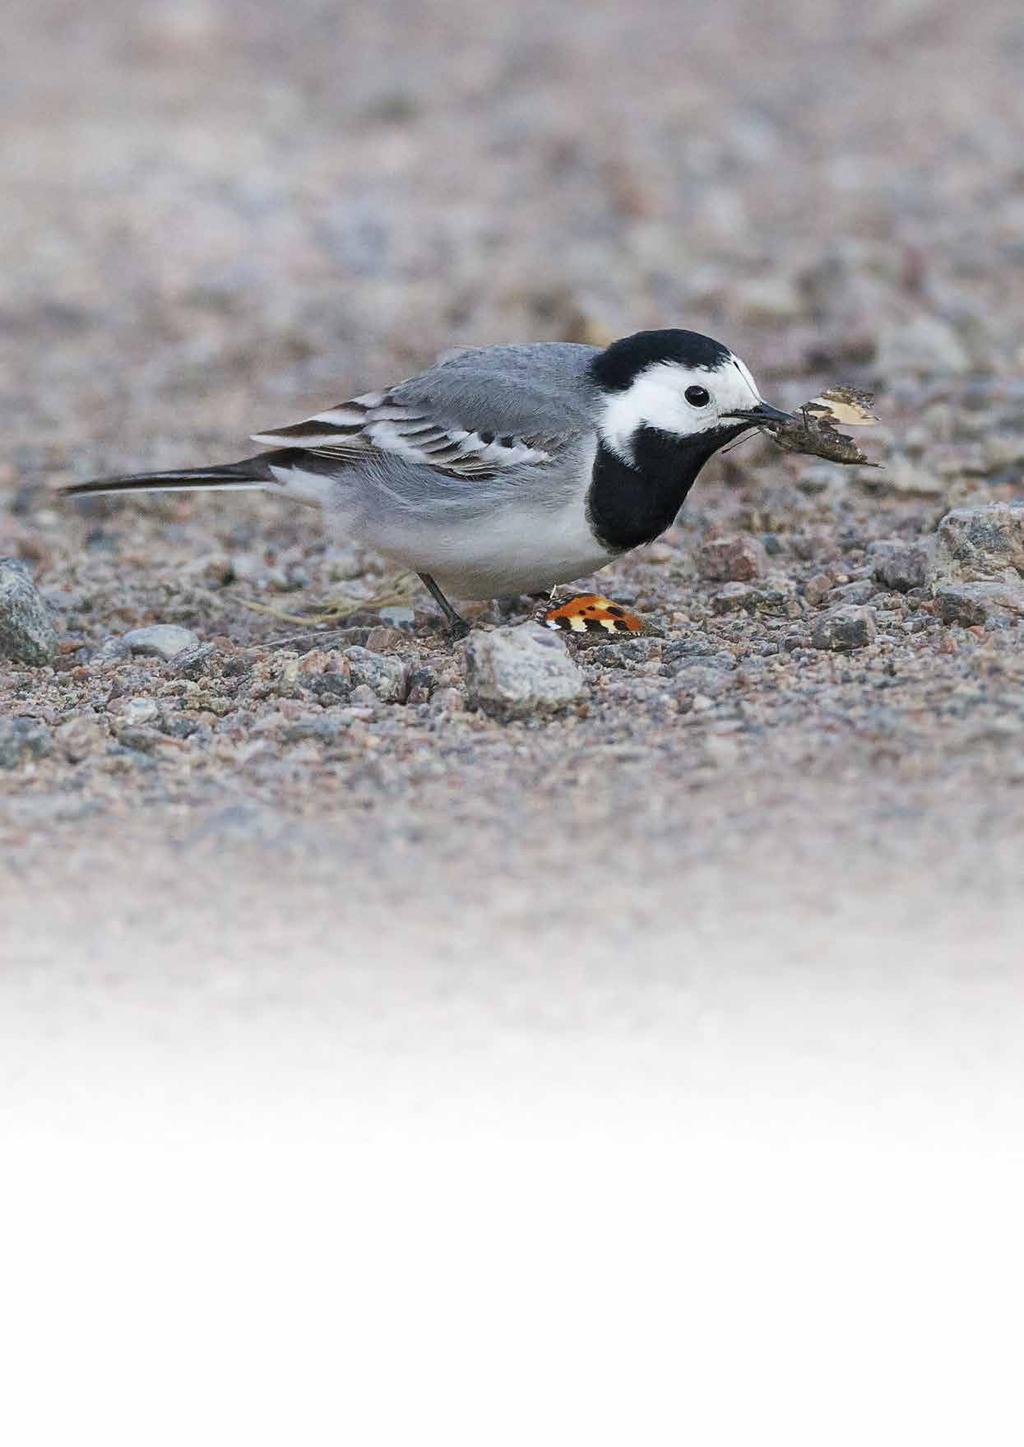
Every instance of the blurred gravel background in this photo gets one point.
(217, 213)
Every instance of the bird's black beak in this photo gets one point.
(763, 412)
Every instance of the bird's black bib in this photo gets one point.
(631, 504)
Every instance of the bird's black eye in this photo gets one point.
(698, 396)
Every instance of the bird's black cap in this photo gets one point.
(617, 366)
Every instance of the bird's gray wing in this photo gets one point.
(479, 413)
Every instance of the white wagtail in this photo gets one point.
(505, 470)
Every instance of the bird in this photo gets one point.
(505, 470)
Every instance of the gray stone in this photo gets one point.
(137, 710)
(381, 672)
(111, 650)
(818, 589)
(521, 672)
(161, 640)
(193, 662)
(900, 566)
(925, 345)
(21, 740)
(981, 543)
(447, 700)
(861, 590)
(844, 630)
(971, 604)
(776, 598)
(26, 632)
(323, 728)
(81, 736)
(628, 654)
(733, 598)
(732, 559)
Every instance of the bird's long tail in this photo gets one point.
(251, 473)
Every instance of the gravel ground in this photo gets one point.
(217, 214)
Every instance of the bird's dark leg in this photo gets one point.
(456, 623)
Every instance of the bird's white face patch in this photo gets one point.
(657, 398)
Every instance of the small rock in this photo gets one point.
(898, 565)
(859, 591)
(818, 589)
(324, 728)
(161, 640)
(521, 672)
(447, 700)
(844, 630)
(79, 737)
(777, 598)
(111, 650)
(23, 739)
(26, 632)
(971, 604)
(732, 598)
(193, 662)
(925, 345)
(380, 638)
(732, 559)
(331, 687)
(628, 654)
(139, 740)
(381, 672)
(981, 543)
(136, 711)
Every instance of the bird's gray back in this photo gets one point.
(534, 389)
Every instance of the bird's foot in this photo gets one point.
(459, 629)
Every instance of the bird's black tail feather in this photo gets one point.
(252, 472)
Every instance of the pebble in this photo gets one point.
(844, 630)
(139, 711)
(732, 559)
(899, 565)
(193, 662)
(631, 653)
(859, 591)
(79, 737)
(447, 700)
(732, 598)
(161, 640)
(26, 633)
(23, 739)
(818, 589)
(382, 673)
(971, 604)
(981, 543)
(363, 696)
(521, 672)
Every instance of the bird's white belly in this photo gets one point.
(517, 549)
(517, 540)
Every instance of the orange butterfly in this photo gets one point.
(594, 613)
